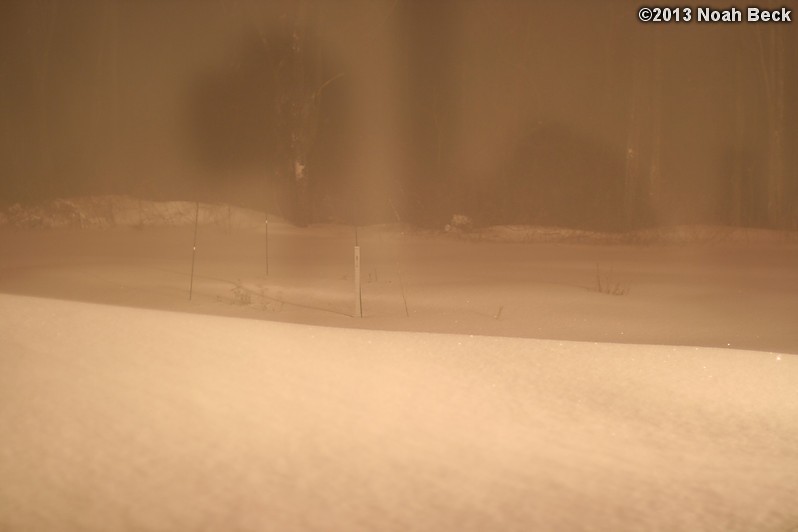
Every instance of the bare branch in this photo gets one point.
(762, 63)
(324, 85)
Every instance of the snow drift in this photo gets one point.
(128, 419)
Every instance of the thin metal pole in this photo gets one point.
(193, 253)
(358, 296)
(267, 243)
(404, 297)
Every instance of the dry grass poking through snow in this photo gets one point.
(607, 283)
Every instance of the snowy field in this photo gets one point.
(540, 403)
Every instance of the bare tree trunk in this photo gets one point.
(771, 58)
(737, 165)
(631, 192)
(643, 184)
(113, 167)
(297, 111)
(655, 166)
(776, 207)
(106, 95)
(303, 87)
(302, 205)
(307, 89)
(632, 170)
(43, 63)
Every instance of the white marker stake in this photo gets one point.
(193, 253)
(267, 244)
(358, 300)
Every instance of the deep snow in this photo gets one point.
(714, 287)
(125, 406)
(125, 419)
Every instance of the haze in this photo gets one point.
(492, 109)
(397, 265)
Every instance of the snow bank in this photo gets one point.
(102, 212)
(111, 211)
(125, 419)
(682, 234)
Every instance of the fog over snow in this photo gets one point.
(125, 406)
(397, 265)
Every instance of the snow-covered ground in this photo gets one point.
(117, 418)
(263, 404)
(694, 286)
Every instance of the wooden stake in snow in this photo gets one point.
(358, 298)
(404, 298)
(193, 253)
(267, 244)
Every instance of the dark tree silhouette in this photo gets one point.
(270, 109)
(556, 176)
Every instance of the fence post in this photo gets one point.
(193, 253)
(358, 298)
(267, 244)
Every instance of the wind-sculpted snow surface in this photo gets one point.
(118, 418)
